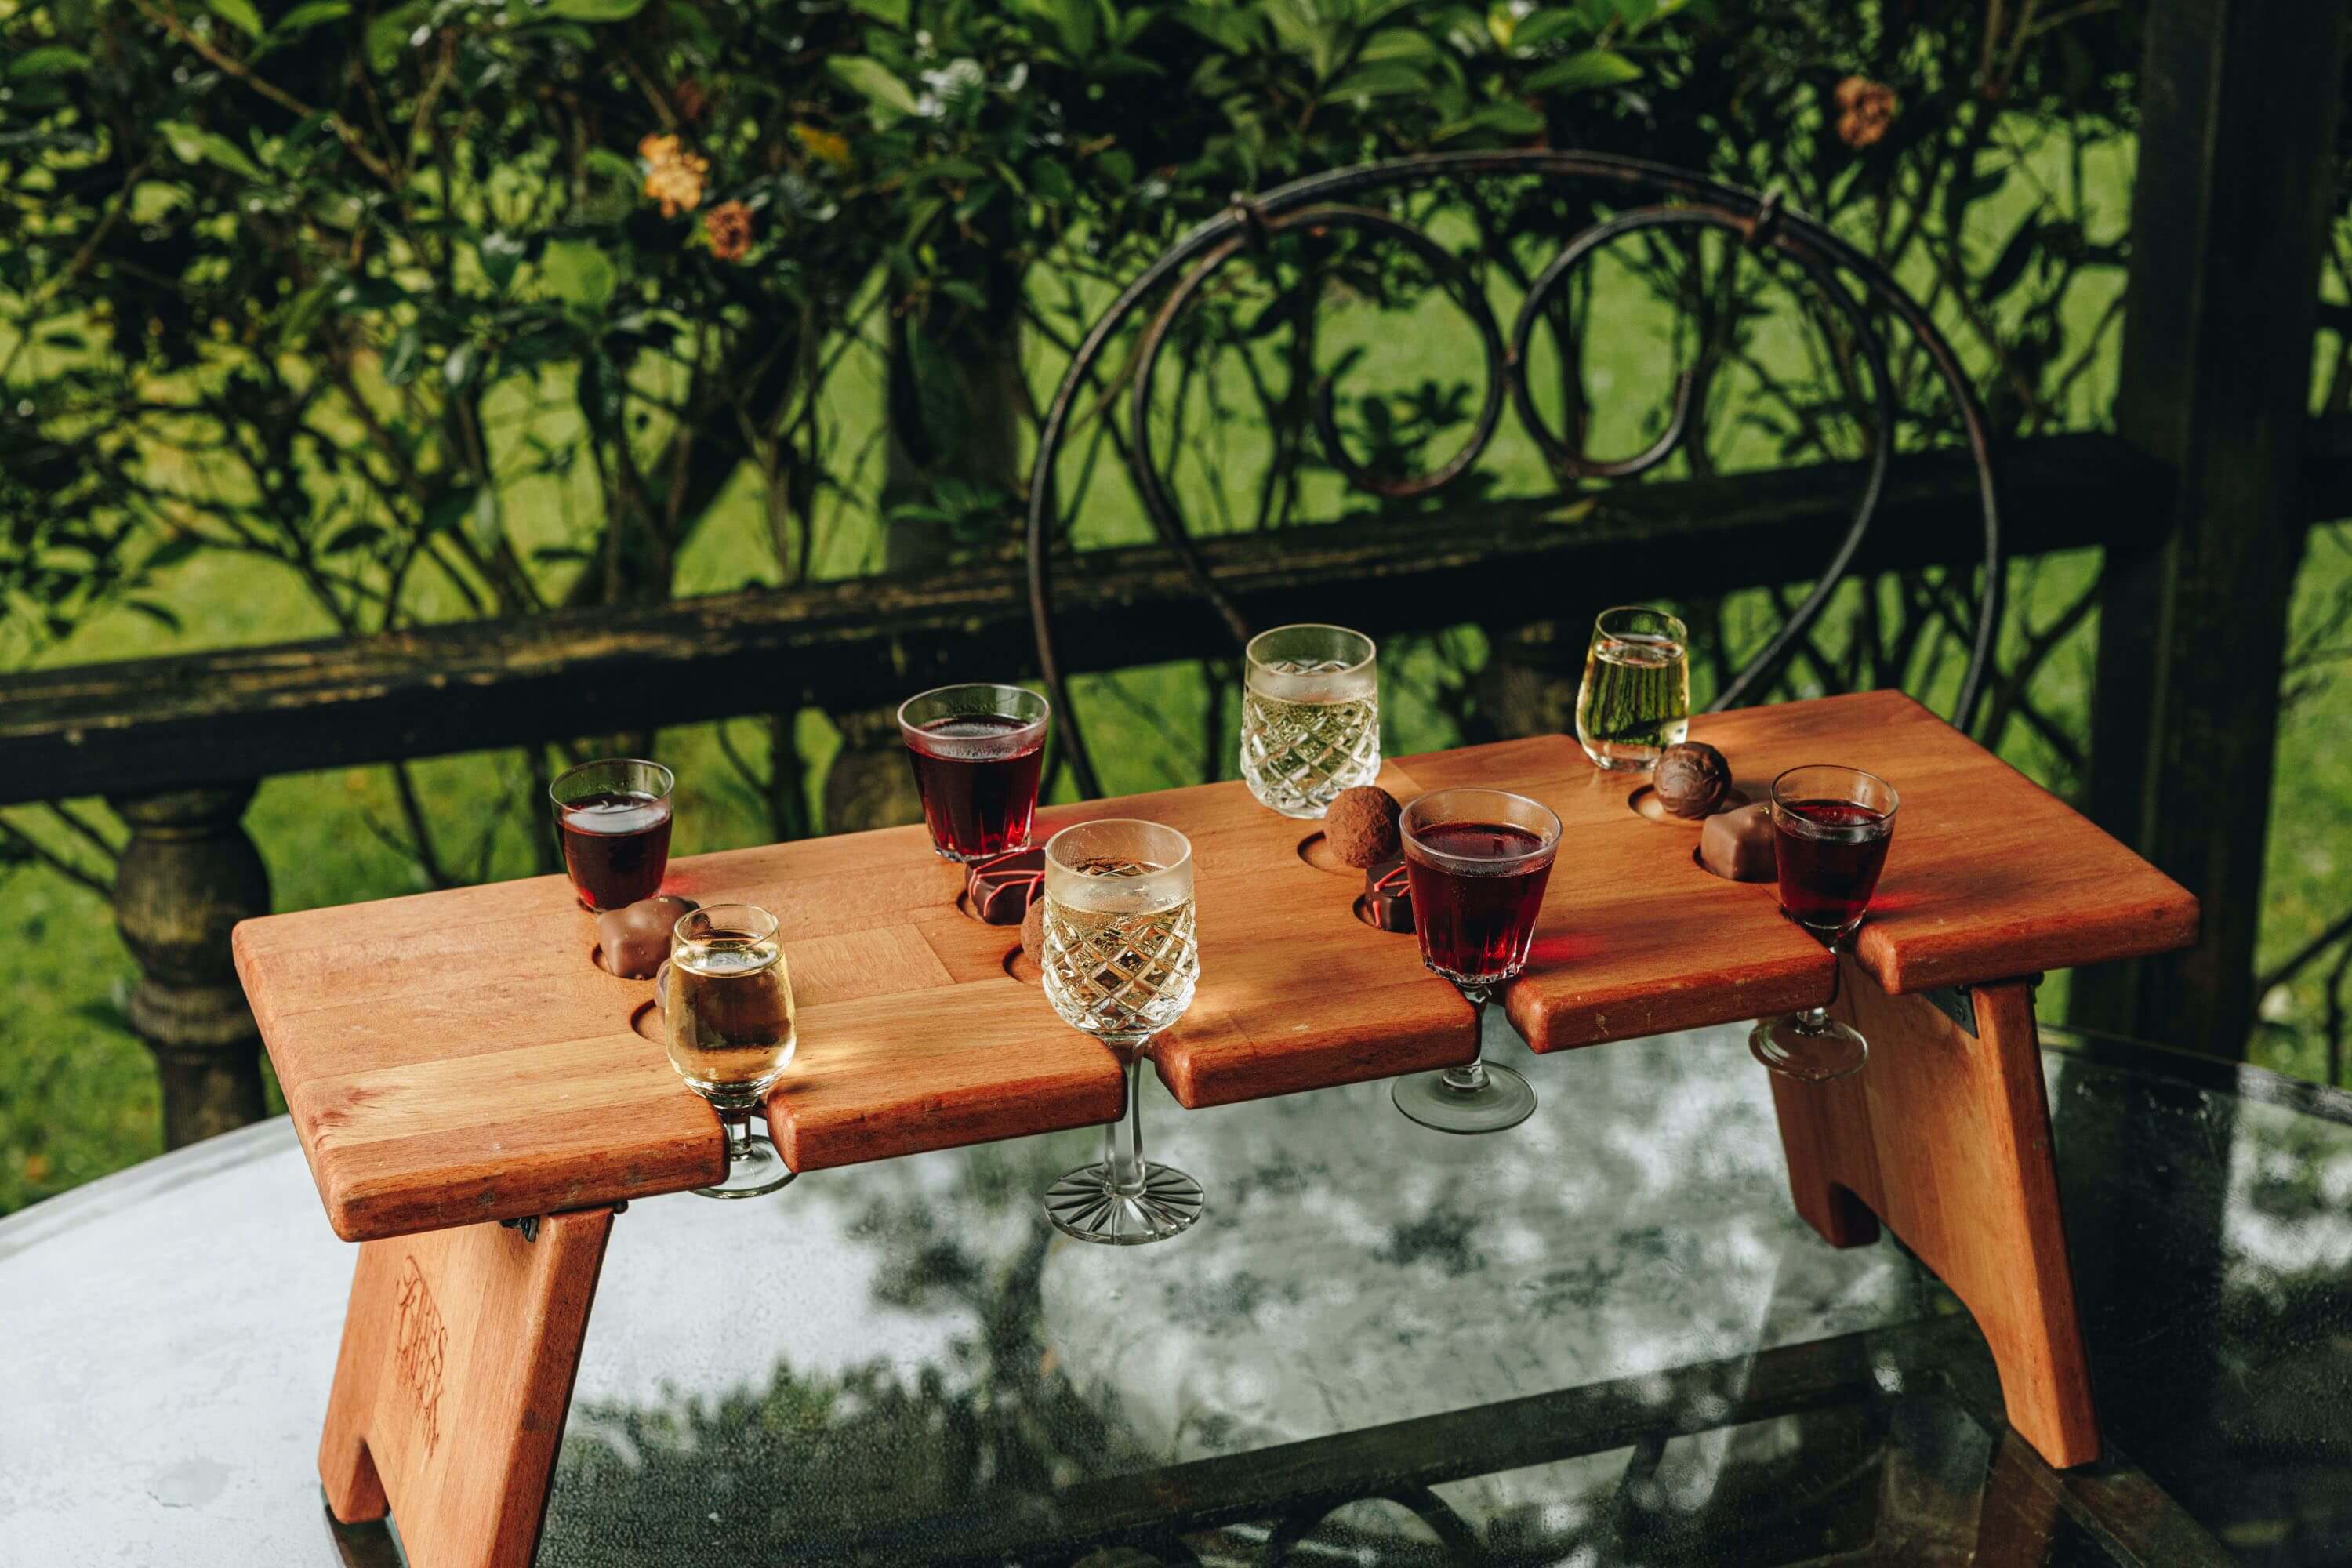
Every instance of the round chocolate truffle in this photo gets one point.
(1361, 826)
(1690, 778)
(1033, 931)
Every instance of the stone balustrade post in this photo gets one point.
(187, 875)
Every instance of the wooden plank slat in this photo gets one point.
(454, 1057)
(240, 713)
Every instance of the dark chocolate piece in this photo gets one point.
(1361, 826)
(1690, 778)
(999, 890)
(1388, 896)
(1032, 932)
(1738, 844)
(636, 938)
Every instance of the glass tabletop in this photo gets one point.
(1603, 1337)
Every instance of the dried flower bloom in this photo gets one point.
(692, 102)
(673, 176)
(827, 145)
(1865, 109)
(729, 225)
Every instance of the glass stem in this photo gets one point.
(1123, 1157)
(1471, 1075)
(739, 1135)
(1816, 1020)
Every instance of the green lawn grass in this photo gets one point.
(76, 1092)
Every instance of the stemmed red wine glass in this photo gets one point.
(1831, 828)
(977, 751)
(613, 818)
(1477, 861)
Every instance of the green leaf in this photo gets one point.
(1235, 31)
(1076, 21)
(309, 14)
(500, 254)
(873, 78)
(1547, 26)
(1398, 44)
(1389, 79)
(192, 145)
(388, 35)
(458, 368)
(402, 360)
(1583, 70)
(891, 13)
(302, 317)
(578, 273)
(595, 10)
(48, 60)
(238, 13)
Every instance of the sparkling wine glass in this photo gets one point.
(1636, 698)
(1831, 828)
(977, 751)
(1310, 717)
(613, 819)
(1120, 962)
(1477, 861)
(727, 1019)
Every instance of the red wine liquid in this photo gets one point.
(1475, 927)
(616, 845)
(1829, 861)
(977, 806)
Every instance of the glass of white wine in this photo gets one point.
(727, 1019)
(1635, 699)
(1120, 963)
(1310, 716)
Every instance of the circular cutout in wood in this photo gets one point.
(1024, 968)
(1317, 851)
(645, 1019)
(1645, 804)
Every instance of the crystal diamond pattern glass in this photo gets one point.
(1120, 963)
(1310, 717)
(1114, 975)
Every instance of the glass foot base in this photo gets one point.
(749, 1176)
(1815, 1053)
(1084, 1203)
(1501, 1098)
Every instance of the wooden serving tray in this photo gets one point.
(455, 1058)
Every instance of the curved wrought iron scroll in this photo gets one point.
(1681, 200)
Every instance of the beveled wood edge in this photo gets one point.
(1059, 1105)
(1567, 1025)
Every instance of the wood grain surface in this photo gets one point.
(453, 1384)
(1988, 877)
(1945, 1137)
(455, 1056)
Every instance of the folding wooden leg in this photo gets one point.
(459, 1348)
(1945, 1137)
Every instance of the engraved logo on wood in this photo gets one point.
(418, 1340)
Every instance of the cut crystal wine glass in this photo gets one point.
(1310, 717)
(1120, 961)
(728, 1022)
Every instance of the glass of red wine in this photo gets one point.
(613, 819)
(1831, 828)
(977, 751)
(1477, 861)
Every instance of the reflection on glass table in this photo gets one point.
(1605, 1339)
